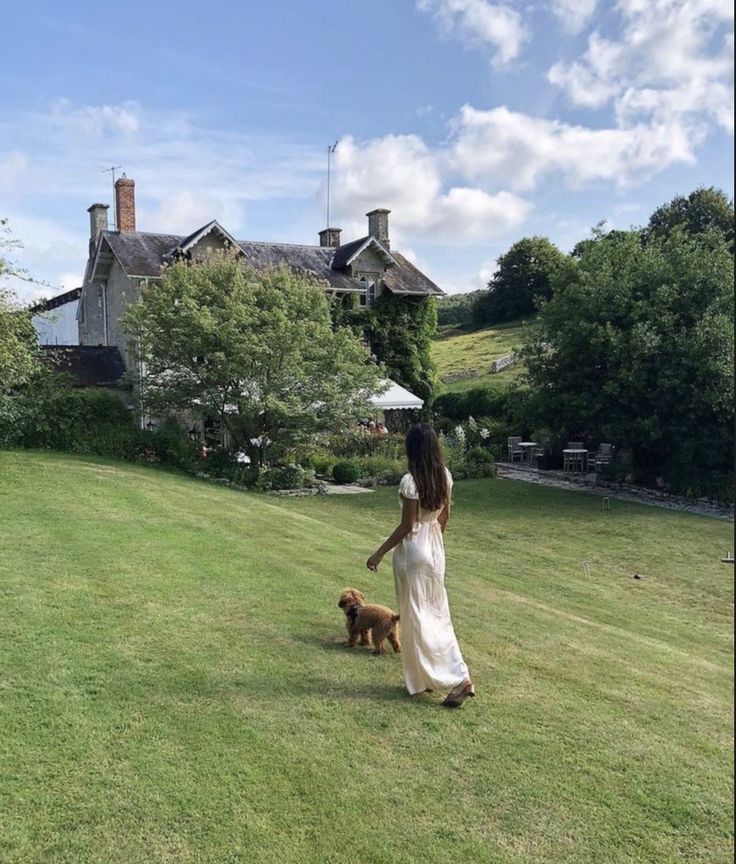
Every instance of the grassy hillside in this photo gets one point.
(457, 351)
(174, 688)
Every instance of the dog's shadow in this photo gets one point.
(335, 644)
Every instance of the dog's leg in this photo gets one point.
(352, 637)
(365, 637)
(378, 634)
(393, 638)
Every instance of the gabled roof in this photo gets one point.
(345, 255)
(189, 242)
(54, 302)
(142, 255)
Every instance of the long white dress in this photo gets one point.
(430, 655)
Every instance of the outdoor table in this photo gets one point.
(575, 452)
(527, 450)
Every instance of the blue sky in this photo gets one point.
(475, 122)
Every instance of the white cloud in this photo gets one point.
(574, 15)
(402, 173)
(480, 24)
(671, 58)
(508, 146)
(98, 120)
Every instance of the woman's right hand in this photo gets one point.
(373, 562)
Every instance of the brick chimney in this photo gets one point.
(378, 226)
(330, 237)
(97, 223)
(125, 205)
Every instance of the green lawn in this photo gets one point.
(476, 350)
(174, 690)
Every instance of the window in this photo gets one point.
(368, 284)
(99, 304)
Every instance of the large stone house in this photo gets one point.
(120, 261)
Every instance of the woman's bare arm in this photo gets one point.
(444, 516)
(409, 515)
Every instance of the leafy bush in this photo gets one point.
(282, 477)
(381, 468)
(320, 463)
(345, 472)
(479, 463)
(172, 445)
(50, 416)
(478, 402)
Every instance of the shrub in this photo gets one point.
(282, 477)
(381, 468)
(51, 416)
(172, 446)
(345, 472)
(321, 463)
(479, 463)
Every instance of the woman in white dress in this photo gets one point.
(430, 655)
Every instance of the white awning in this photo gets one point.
(396, 397)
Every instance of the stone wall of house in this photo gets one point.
(91, 322)
(122, 291)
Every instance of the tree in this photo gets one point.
(255, 349)
(399, 331)
(702, 210)
(522, 279)
(635, 347)
(18, 341)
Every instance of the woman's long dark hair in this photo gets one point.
(427, 466)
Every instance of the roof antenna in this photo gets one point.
(330, 151)
(112, 169)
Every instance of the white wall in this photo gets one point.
(58, 326)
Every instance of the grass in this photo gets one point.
(174, 690)
(476, 350)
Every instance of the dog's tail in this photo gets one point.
(395, 618)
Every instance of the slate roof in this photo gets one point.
(55, 302)
(88, 365)
(143, 254)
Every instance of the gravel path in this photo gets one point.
(645, 496)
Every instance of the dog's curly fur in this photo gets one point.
(369, 623)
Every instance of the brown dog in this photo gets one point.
(368, 622)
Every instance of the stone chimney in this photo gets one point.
(97, 223)
(330, 237)
(125, 205)
(378, 226)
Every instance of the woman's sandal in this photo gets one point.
(456, 697)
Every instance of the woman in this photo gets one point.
(430, 655)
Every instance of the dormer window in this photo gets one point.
(367, 283)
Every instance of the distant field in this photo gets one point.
(174, 687)
(476, 350)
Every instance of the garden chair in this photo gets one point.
(515, 452)
(603, 456)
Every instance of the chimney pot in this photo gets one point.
(125, 205)
(330, 237)
(378, 226)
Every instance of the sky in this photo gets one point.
(476, 123)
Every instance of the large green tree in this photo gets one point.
(635, 347)
(704, 209)
(18, 340)
(256, 349)
(523, 278)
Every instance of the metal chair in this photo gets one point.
(515, 452)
